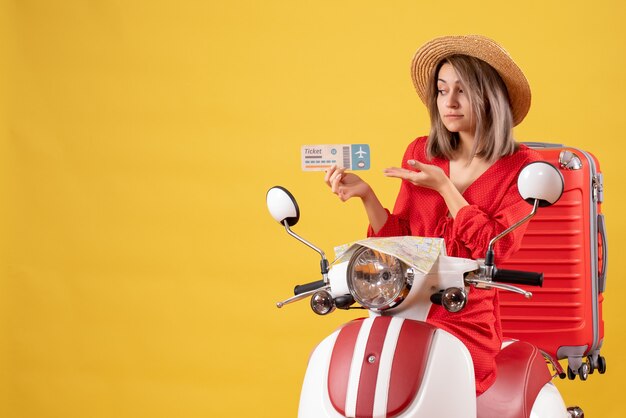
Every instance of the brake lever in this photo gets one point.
(487, 284)
(300, 296)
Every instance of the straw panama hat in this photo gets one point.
(431, 53)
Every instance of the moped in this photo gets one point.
(394, 363)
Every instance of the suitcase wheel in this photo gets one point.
(601, 364)
(596, 362)
(592, 363)
(582, 372)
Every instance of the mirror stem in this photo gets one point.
(323, 263)
(489, 258)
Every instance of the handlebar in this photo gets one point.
(307, 287)
(527, 278)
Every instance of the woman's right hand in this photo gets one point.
(346, 185)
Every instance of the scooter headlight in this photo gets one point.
(378, 281)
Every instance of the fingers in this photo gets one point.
(416, 164)
(335, 183)
(413, 175)
(333, 176)
(335, 179)
(329, 173)
(401, 173)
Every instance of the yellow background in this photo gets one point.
(138, 265)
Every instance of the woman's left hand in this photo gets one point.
(424, 175)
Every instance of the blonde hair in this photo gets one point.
(490, 106)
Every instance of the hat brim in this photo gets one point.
(430, 55)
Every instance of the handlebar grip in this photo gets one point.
(528, 278)
(307, 287)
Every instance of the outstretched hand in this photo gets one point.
(345, 185)
(424, 175)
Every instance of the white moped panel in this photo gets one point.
(314, 399)
(337, 277)
(447, 390)
(549, 404)
(446, 272)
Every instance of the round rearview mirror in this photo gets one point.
(282, 205)
(541, 181)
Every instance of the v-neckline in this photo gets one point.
(447, 171)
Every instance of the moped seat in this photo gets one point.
(521, 373)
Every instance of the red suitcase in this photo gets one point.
(567, 242)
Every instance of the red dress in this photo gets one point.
(494, 205)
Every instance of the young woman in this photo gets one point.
(460, 182)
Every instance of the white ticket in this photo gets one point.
(349, 156)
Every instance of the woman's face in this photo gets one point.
(453, 102)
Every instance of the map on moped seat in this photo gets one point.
(348, 156)
(418, 252)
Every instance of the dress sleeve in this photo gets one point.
(398, 222)
(473, 227)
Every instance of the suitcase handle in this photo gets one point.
(528, 278)
(602, 232)
(542, 145)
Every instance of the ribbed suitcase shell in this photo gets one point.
(567, 242)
